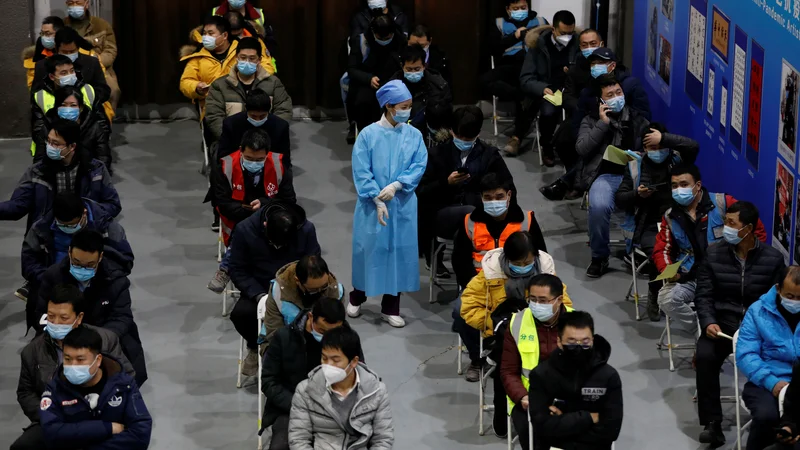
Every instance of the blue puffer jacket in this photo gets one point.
(36, 190)
(767, 347)
(69, 422)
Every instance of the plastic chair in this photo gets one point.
(221, 249)
(633, 290)
(515, 439)
(446, 247)
(242, 346)
(670, 346)
(460, 348)
(483, 408)
(234, 294)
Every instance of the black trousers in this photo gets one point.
(711, 354)
(443, 223)
(519, 417)
(245, 310)
(280, 434)
(503, 83)
(32, 439)
(763, 408)
(362, 105)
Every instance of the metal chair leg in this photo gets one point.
(539, 142)
(494, 114)
(432, 271)
(481, 400)
(460, 356)
(669, 346)
(225, 301)
(509, 429)
(241, 362)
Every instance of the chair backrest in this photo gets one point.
(781, 398)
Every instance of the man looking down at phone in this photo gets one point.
(765, 353)
(645, 193)
(614, 123)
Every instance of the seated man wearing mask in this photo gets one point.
(274, 236)
(255, 17)
(426, 85)
(371, 9)
(98, 273)
(297, 286)
(256, 115)
(68, 43)
(530, 338)
(451, 185)
(613, 124)
(498, 291)
(435, 57)
(44, 47)
(243, 182)
(765, 353)
(645, 192)
(295, 351)
(44, 353)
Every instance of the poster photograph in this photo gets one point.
(787, 125)
(667, 8)
(754, 104)
(737, 96)
(782, 220)
(723, 107)
(696, 59)
(665, 60)
(710, 96)
(652, 36)
(720, 26)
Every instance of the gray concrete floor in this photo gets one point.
(192, 351)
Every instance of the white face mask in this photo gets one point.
(333, 374)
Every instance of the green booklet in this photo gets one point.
(617, 155)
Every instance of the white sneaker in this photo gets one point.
(353, 310)
(395, 321)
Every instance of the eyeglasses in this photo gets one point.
(56, 145)
(542, 300)
(252, 59)
(586, 343)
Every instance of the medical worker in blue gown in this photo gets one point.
(389, 159)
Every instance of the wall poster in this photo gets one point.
(787, 124)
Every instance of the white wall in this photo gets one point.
(581, 8)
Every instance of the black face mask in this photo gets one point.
(309, 299)
(578, 355)
(375, 12)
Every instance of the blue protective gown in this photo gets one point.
(386, 258)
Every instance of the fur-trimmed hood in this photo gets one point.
(28, 52)
(187, 50)
(532, 37)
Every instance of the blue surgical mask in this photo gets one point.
(521, 270)
(588, 52)
(253, 166)
(72, 56)
(49, 42)
(317, 335)
(731, 235)
(616, 104)
(495, 208)
(519, 15)
(257, 123)
(77, 375)
(683, 196)
(658, 156)
(598, 70)
(69, 229)
(76, 12)
(246, 68)
(463, 145)
(413, 77)
(68, 80)
(59, 332)
(209, 42)
(402, 115)
(383, 42)
(54, 153)
(542, 311)
(82, 274)
(793, 306)
(236, 4)
(69, 112)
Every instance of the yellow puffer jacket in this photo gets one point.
(486, 291)
(196, 36)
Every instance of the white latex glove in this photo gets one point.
(388, 192)
(383, 211)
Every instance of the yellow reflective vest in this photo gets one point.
(46, 101)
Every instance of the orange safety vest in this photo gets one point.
(232, 168)
(482, 240)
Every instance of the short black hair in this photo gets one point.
(604, 81)
(491, 181)
(682, 169)
(748, 213)
(67, 129)
(256, 139)
(467, 121)
(258, 100)
(508, 3)
(787, 272)
(330, 309)
(421, 31)
(222, 25)
(57, 60)
(439, 116)
(84, 337)
(658, 126)
(67, 206)
(343, 338)
(68, 293)
(235, 20)
(249, 43)
(282, 226)
(382, 26)
(563, 16)
(64, 92)
(589, 31)
(575, 319)
(67, 35)
(87, 240)
(549, 281)
(311, 266)
(518, 245)
(413, 53)
(55, 21)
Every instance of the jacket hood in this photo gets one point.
(369, 381)
(277, 204)
(190, 50)
(537, 35)
(602, 351)
(100, 220)
(233, 75)
(491, 265)
(286, 278)
(28, 52)
(769, 301)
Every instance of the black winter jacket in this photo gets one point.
(108, 304)
(577, 79)
(88, 70)
(360, 22)
(598, 390)
(725, 289)
(431, 91)
(382, 61)
(651, 210)
(95, 132)
(536, 74)
(437, 60)
(635, 96)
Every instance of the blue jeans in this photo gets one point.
(226, 257)
(469, 336)
(601, 206)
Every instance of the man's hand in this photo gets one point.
(117, 428)
(518, 33)
(712, 330)
(524, 403)
(604, 109)
(675, 278)
(375, 82)
(255, 204)
(595, 417)
(555, 411)
(776, 390)
(547, 91)
(652, 139)
(644, 191)
(788, 440)
(457, 178)
(383, 212)
(202, 88)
